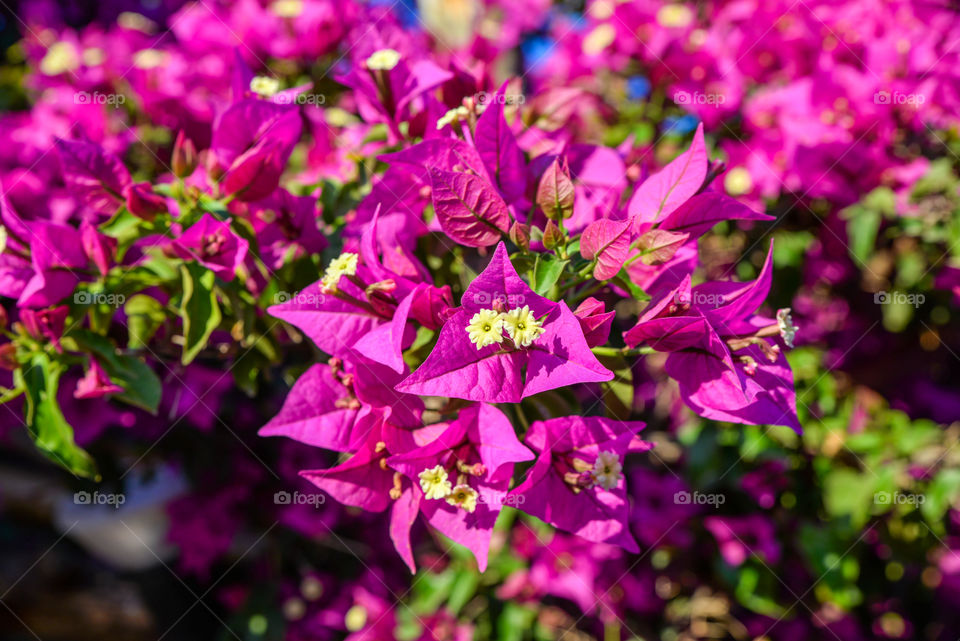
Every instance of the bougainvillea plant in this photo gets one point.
(526, 270)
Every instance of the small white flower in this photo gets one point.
(287, 8)
(343, 265)
(450, 116)
(606, 470)
(383, 60)
(264, 86)
(485, 328)
(61, 57)
(463, 496)
(434, 483)
(149, 59)
(787, 329)
(522, 326)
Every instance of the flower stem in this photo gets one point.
(621, 351)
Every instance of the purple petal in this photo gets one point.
(468, 208)
(670, 187)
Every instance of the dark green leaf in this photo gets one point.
(546, 270)
(145, 314)
(49, 429)
(199, 309)
(141, 385)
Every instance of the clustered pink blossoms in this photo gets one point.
(814, 102)
(505, 342)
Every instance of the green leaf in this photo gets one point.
(199, 309)
(123, 226)
(49, 429)
(756, 594)
(942, 492)
(514, 620)
(141, 385)
(849, 493)
(618, 394)
(622, 279)
(862, 227)
(883, 200)
(464, 587)
(546, 271)
(145, 315)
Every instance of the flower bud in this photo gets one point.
(184, 159)
(555, 193)
(46, 324)
(594, 321)
(98, 247)
(142, 202)
(551, 235)
(212, 166)
(520, 235)
(8, 357)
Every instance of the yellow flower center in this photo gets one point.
(343, 265)
(522, 326)
(383, 60)
(434, 483)
(485, 328)
(463, 496)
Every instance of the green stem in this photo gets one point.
(621, 351)
(579, 297)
